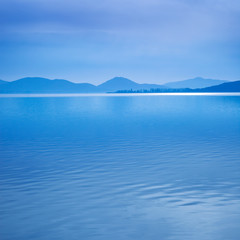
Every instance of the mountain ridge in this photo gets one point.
(224, 87)
(195, 83)
(45, 85)
(2, 81)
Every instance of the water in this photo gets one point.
(129, 167)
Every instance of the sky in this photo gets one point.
(148, 41)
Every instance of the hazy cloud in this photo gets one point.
(166, 36)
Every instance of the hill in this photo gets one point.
(2, 82)
(117, 84)
(194, 83)
(225, 87)
(120, 83)
(44, 85)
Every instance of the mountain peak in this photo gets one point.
(118, 80)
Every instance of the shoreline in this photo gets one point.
(26, 95)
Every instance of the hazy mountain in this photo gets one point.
(194, 83)
(224, 87)
(44, 85)
(120, 83)
(2, 82)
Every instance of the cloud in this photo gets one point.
(139, 38)
(167, 18)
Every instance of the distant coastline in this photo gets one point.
(117, 85)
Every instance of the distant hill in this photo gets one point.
(44, 85)
(224, 87)
(194, 83)
(117, 84)
(120, 83)
(2, 82)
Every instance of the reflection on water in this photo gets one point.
(106, 167)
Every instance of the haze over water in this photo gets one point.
(123, 168)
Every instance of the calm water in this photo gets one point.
(133, 167)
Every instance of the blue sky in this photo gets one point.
(147, 41)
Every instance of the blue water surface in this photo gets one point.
(120, 167)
